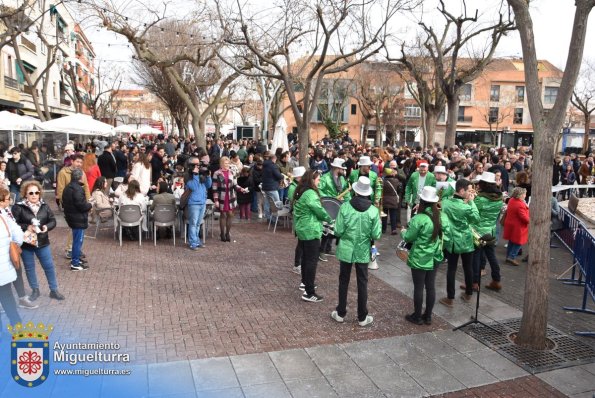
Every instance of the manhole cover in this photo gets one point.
(567, 351)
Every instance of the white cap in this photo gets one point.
(298, 171)
(440, 169)
(428, 194)
(338, 163)
(364, 161)
(488, 177)
(362, 186)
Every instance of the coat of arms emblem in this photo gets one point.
(30, 353)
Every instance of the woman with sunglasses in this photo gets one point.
(34, 215)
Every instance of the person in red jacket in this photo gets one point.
(516, 224)
(91, 169)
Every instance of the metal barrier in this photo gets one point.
(567, 236)
(584, 256)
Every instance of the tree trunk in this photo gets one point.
(431, 119)
(304, 141)
(378, 136)
(534, 322)
(586, 136)
(451, 121)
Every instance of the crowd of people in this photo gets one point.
(453, 196)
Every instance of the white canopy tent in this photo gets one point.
(134, 129)
(125, 128)
(12, 122)
(80, 124)
(280, 136)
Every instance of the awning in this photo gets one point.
(30, 68)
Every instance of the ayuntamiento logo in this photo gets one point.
(30, 353)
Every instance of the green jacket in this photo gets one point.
(291, 190)
(327, 187)
(425, 252)
(308, 215)
(448, 191)
(356, 228)
(374, 183)
(411, 194)
(461, 217)
(489, 206)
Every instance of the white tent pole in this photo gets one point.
(12, 137)
(67, 137)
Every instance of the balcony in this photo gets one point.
(28, 44)
(64, 101)
(27, 89)
(9, 82)
(464, 119)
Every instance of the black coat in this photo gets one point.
(271, 176)
(23, 216)
(107, 165)
(76, 207)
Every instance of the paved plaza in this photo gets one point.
(227, 321)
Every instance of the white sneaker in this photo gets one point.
(369, 319)
(297, 270)
(24, 302)
(336, 317)
(260, 215)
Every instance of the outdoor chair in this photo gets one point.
(116, 182)
(278, 211)
(164, 216)
(97, 219)
(12, 198)
(130, 216)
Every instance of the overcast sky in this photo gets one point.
(552, 23)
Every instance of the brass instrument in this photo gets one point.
(342, 194)
(379, 184)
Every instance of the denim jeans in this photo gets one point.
(361, 271)
(395, 218)
(269, 194)
(196, 213)
(512, 250)
(16, 189)
(9, 304)
(44, 254)
(78, 235)
(490, 254)
(283, 194)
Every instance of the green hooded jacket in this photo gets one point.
(425, 252)
(374, 183)
(448, 191)
(411, 193)
(357, 224)
(327, 186)
(308, 215)
(461, 216)
(291, 190)
(489, 206)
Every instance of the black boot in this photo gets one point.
(227, 237)
(56, 295)
(223, 239)
(34, 294)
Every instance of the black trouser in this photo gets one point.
(395, 218)
(298, 255)
(453, 259)
(326, 243)
(9, 305)
(490, 254)
(361, 271)
(310, 253)
(423, 278)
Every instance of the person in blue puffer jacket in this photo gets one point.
(198, 180)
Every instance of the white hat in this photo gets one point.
(488, 177)
(440, 169)
(364, 161)
(429, 195)
(298, 171)
(362, 186)
(338, 162)
(69, 147)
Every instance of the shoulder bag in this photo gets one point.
(15, 249)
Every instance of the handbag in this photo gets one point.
(15, 250)
(184, 198)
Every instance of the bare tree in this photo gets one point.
(101, 99)
(329, 37)
(16, 20)
(583, 98)
(446, 48)
(546, 129)
(332, 104)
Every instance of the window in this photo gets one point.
(300, 108)
(55, 90)
(465, 94)
(43, 47)
(461, 115)
(518, 116)
(354, 109)
(442, 117)
(412, 111)
(520, 93)
(410, 88)
(550, 94)
(495, 93)
(493, 117)
(8, 69)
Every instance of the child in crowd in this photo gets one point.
(244, 194)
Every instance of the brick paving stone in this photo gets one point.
(527, 386)
(168, 303)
